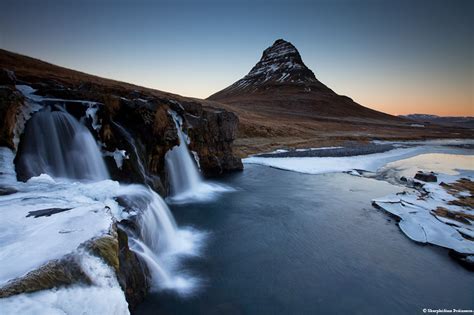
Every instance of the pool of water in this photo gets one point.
(290, 243)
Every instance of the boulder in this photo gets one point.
(10, 102)
(7, 77)
(426, 177)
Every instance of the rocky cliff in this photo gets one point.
(132, 123)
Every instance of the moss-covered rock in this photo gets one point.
(55, 273)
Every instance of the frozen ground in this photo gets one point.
(104, 296)
(369, 162)
(78, 212)
(29, 240)
(420, 223)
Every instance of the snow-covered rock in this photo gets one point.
(431, 215)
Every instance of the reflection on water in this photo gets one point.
(449, 164)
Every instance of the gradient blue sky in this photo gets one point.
(396, 56)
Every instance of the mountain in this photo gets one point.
(281, 81)
(453, 121)
(281, 104)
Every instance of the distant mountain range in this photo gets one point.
(454, 121)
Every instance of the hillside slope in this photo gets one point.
(143, 112)
(281, 103)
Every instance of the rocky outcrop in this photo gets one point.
(140, 125)
(113, 248)
(61, 272)
(10, 103)
(426, 177)
(126, 119)
(212, 133)
(131, 273)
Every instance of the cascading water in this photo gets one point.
(186, 182)
(55, 143)
(160, 243)
(183, 174)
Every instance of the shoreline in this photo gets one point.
(353, 148)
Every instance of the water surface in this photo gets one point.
(290, 243)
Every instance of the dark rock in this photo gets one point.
(46, 212)
(417, 185)
(133, 274)
(426, 177)
(7, 77)
(467, 261)
(403, 179)
(4, 191)
(211, 139)
(349, 149)
(462, 217)
(10, 102)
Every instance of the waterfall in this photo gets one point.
(183, 174)
(55, 143)
(159, 242)
(186, 183)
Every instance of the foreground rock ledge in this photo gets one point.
(112, 248)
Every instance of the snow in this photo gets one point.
(283, 77)
(119, 156)
(104, 296)
(28, 92)
(433, 142)
(91, 112)
(26, 111)
(316, 149)
(196, 158)
(450, 164)
(421, 225)
(29, 242)
(369, 162)
(7, 171)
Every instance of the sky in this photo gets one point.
(399, 57)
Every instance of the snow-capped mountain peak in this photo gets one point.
(280, 64)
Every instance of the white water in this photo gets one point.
(186, 183)
(183, 173)
(160, 243)
(55, 143)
